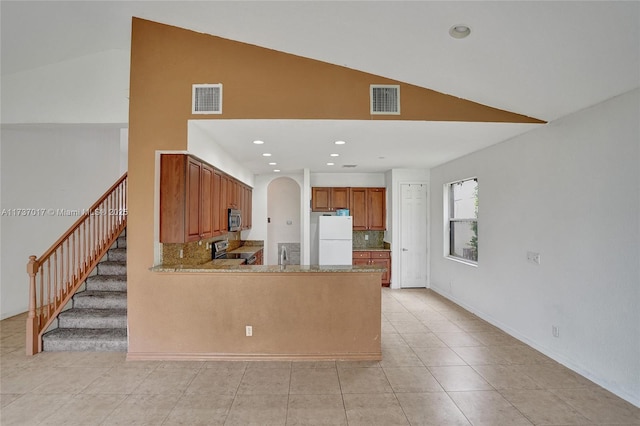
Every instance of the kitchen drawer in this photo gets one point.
(361, 254)
(380, 254)
(378, 257)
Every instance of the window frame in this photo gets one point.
(448, 220)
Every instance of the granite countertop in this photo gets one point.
(224, 266)
(371, 249)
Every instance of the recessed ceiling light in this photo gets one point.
(330, 164)
(276, 170)
(339, 142)
(272, 164)
(258, 142)
(335, 155)
(459, 31)
(266, 154)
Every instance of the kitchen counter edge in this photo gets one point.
(212, 267)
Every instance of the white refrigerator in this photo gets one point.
(335, 240)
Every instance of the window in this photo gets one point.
(461, 209)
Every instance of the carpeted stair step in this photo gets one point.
(93, 318)
(92, 299)
(122, 242)
(86, 339)
(98, 320)
(107, 283)
(117, 255)
(112, 268)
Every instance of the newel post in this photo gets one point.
(33, 331)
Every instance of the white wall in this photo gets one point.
(200, 144)
(47, 167)
(89, 89)
(283, 210)
(259, 224)
(570, 191)
(348, 179)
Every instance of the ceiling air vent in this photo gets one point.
(385, 99)
(207, 99)
(349, 166)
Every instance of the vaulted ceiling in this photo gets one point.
(541, 59)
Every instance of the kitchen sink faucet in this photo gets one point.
(284, 257)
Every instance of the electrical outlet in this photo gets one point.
(249, 331)
(366, 237)
(555, 331)
(181, 254)
(533, 257)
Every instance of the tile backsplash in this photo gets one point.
(197, 252)
(376, 239)
(293, 253)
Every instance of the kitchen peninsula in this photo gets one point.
(296, 312)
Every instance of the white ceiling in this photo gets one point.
(540, 58)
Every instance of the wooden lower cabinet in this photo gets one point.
(377, 257)
(259, 258)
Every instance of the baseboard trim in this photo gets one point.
(163, 356)
(544, 350)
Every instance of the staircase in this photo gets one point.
(97, 320)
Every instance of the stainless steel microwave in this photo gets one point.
(235, 220)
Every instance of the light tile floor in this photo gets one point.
(441, 366)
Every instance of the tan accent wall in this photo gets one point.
(172, 313)
(293, 315)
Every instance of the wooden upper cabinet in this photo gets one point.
(195, 199)
(232, 191)
(249, 207)
(173, 196)
(245, 207)
(339, 198)
(186, 203)
(367, 206)
(327, 199)
(217, 210)
(320, 199)
(223, 203)
(207, 198)
(192, 223)
(377, 209)
(368, 209)
(358, 208)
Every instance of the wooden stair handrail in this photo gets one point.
(70, 260)
(82, 218)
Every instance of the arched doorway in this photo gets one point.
(283, 227)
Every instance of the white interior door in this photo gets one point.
(413, 235)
